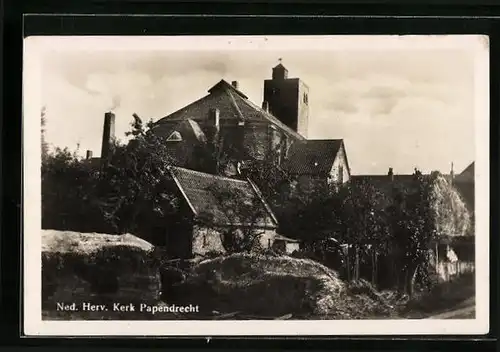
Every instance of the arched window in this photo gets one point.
(174, 137)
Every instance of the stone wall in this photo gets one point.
(340, 161)
(206, 240)
(257, 141)
(267, 238)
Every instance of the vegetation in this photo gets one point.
(133, 192)
(130, 193)
(395, 228)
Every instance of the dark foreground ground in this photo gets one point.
(451, 300)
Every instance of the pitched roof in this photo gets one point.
(206, 195)
(312, 156)
(232, 105)
(467, 175)
(279, 237)
(464, 183)
(467, 191)
(225, 85)
(384, 183)
(188, 128)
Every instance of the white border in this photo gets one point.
(34, 48)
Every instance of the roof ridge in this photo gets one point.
(235, 105)
(259, 194)
(166, 118)
(227, 85)
(273, 119)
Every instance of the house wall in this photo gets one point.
(449, 264)
(260, 140)
(287, 247)
(448, 270)
(207, 240)
(256, 141)
(292, 247)
(340, 161)
(303, 109)
(267, 238)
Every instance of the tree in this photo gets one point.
(413, 231)
(136, 188)
(363, 225)
(132, 193)
(448, 210)
(68, 197)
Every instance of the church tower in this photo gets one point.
(287, 99)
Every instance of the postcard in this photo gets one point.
(256, 185)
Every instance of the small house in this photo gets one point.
(316, 164)
(216, 206)
(285, 245)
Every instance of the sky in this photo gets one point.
(402, 105)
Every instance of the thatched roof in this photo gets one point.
(54, 241)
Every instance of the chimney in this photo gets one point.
(89, 154)
(391, 174)
(108, 135)
(265, 106)
(235, 84)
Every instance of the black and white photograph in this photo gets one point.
(256, 185)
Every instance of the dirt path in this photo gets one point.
(466, 310)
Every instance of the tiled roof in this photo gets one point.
(467, 191)
(181, 152)
(385, 180)
(384, 184)
(464, 183)
(467, 174)
(232, 105)
(206, 194)
(314, 157)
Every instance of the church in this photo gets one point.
(237, 132)
(218, 138)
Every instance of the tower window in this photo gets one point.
(306, 99)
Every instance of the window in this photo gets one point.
(306, 99)
(174, 137)
(341, 174)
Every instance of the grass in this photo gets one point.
(274, 286)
